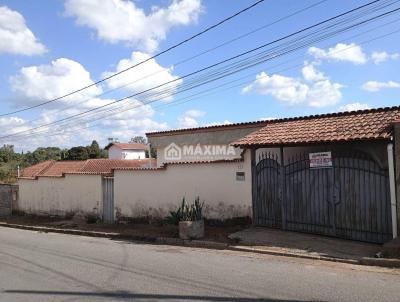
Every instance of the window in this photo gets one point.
(240, 176)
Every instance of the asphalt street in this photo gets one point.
(56, 267)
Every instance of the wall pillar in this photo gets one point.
(253, 182)
(396, 137)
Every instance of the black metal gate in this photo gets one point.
(349, 200)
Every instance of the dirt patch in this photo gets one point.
(217, 233)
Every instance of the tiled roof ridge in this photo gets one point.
(47, 167)
(165, 165)
(357, 125)
(85, 164)
(284, 119)
(334, 114)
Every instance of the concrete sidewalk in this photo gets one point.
(304, 244)
(253, 240)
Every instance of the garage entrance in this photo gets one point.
(347, 197)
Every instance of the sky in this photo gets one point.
(49, 48)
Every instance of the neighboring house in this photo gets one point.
(126, 151)
(180, 145)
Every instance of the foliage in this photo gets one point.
(139, 140)
(187, 212)
(42, 154)
(10, 160)
(94, 150)
(78, 153)
(84, 153)
(153, 152)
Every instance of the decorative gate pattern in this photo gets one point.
(350, 200)
(268, 208)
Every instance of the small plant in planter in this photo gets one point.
(190, 219)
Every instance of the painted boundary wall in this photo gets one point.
(153, 193)
(8, 198)
(60, 195)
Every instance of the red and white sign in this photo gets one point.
(320, 160)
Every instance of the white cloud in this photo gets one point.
(225, 122)
(44, 82)
(341, 52)
(190, 119)
(311, 74)
(382, 56)
(144, 76)
(324, 93)
(354, 106)
(15, 36)
(36, 84)
(321, 92)
(122, 21)
(374, 86)
(289, 90)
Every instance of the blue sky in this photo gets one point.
(51, 48)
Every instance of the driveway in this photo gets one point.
(55, 267)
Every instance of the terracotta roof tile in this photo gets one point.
(369, 124)
(127, 146)
(208, 128)
(33, 171)
(90, 166)
(107, 165)
(58, 168)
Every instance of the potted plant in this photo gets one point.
(191, 222)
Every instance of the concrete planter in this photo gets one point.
(191, 229)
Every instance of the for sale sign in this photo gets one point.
(320, 160)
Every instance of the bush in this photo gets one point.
(187, 212)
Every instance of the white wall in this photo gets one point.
(115, 152)
(141, 193)
(59, 195)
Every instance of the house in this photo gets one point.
(334, 174)
(126, 150)
(331, 174)
(190, 162)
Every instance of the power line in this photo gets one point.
(209, 91)
(206, 82)
(213, 65)
(142, 62)
(194, 56)
(94, 109)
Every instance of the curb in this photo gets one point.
(295, 255)
(381, 262)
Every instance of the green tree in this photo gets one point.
(7, 153)
(42, 154)
(139, 140)
(94, 150)
(78, 153)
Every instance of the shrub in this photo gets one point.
(187, 212)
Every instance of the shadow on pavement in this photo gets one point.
(263, 237)
(130, 295)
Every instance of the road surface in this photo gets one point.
(55, 267)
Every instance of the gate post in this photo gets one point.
(283, 188)
(396, 136)
(253, 183)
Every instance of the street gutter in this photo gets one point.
(381, 262)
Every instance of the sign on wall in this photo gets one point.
(320, 160)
